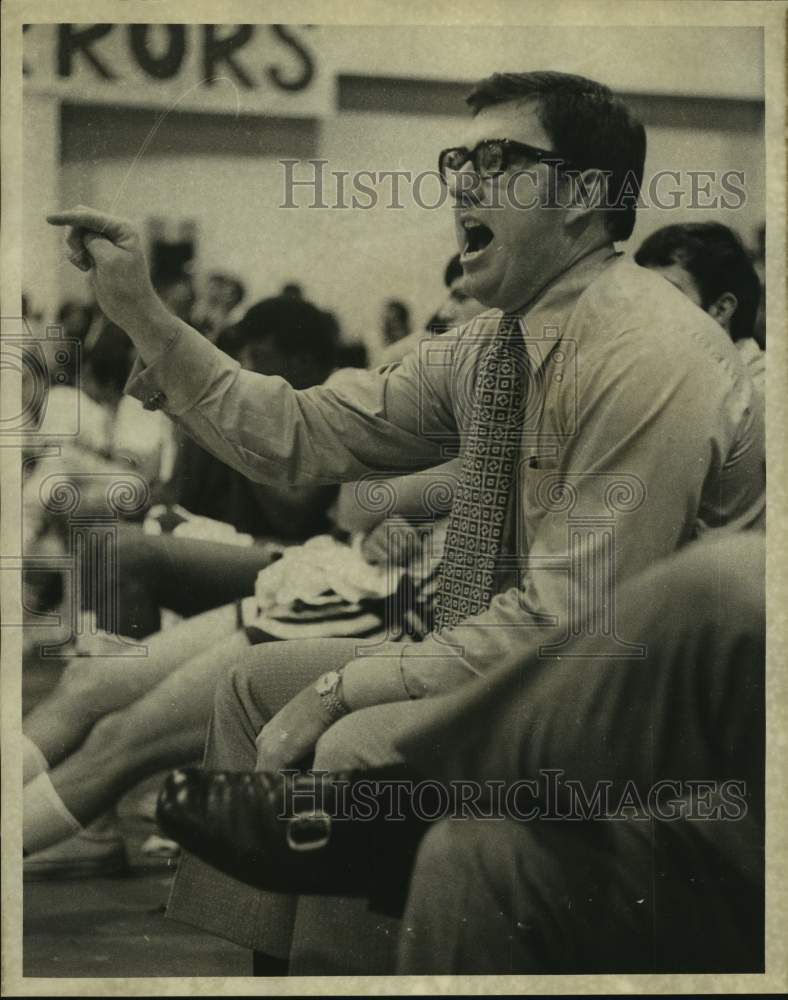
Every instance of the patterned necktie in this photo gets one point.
(476, 523)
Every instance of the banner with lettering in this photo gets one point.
(271, 69)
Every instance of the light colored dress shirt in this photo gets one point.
(755, 360)
(641, 432)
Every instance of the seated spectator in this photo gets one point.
(395, 322)
(709, 264)
(110, 426)
(352, 355)
(75, 318)
(292, 290)
(176, 290)
(138, 438)
(216, 309)
(162, 707)
(185, 574)
(277, 336)
(102, 730)
(759, 263)
(458, 308)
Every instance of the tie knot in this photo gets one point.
(509, 326)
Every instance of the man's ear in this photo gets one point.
(587, 192)
(723, 309)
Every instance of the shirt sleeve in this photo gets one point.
(624, 493)
(391, 421)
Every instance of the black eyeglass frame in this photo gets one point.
(508, 146)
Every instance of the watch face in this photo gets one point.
(327, 682)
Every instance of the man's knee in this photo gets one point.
(235, 685)
(87, 681)
(448, 846)
(476, 847)
(459, 898)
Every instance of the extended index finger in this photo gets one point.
(88, 218)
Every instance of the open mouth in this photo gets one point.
(477, 238)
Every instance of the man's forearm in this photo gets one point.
(441, 664)
(153, 329)
(403, 671)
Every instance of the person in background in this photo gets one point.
(759, 263)
(32, 315)
(163, 701)
(456, 310)
(294, 340)
(176, 290)
(708, 262)
(395, 322)
(459, 305)
(352, 354)
(75, 319)
(292, 290)
(218, 307)
(202, 579)
(96, 393)
(187, 574)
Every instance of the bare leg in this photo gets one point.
(164, 728)
(92, 687)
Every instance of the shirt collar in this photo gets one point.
(545, 317)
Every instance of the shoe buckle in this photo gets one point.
(308, 831)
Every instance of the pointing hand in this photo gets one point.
(109, 249)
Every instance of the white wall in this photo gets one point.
(689, 149)
(654, 59)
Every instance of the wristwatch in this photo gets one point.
(328, 687)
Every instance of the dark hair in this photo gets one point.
(44, 589)
(80, 312)
(718, 262)
(163, 280)
(299, 330)
(111, 359)
(402, 311)
(588, 127)
(238, 287)
(453, 271)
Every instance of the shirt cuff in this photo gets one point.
(405, 671)
(374, 680)
(183, 372)
(431, 667)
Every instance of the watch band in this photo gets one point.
(331, 698)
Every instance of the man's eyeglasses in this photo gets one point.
(490, 157)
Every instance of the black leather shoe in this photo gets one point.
(342, 834)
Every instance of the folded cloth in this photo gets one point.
(321, 570)
(181, 523)
(320, 589)
(326, 588)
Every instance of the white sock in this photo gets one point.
(33, 760)
(46, 819)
